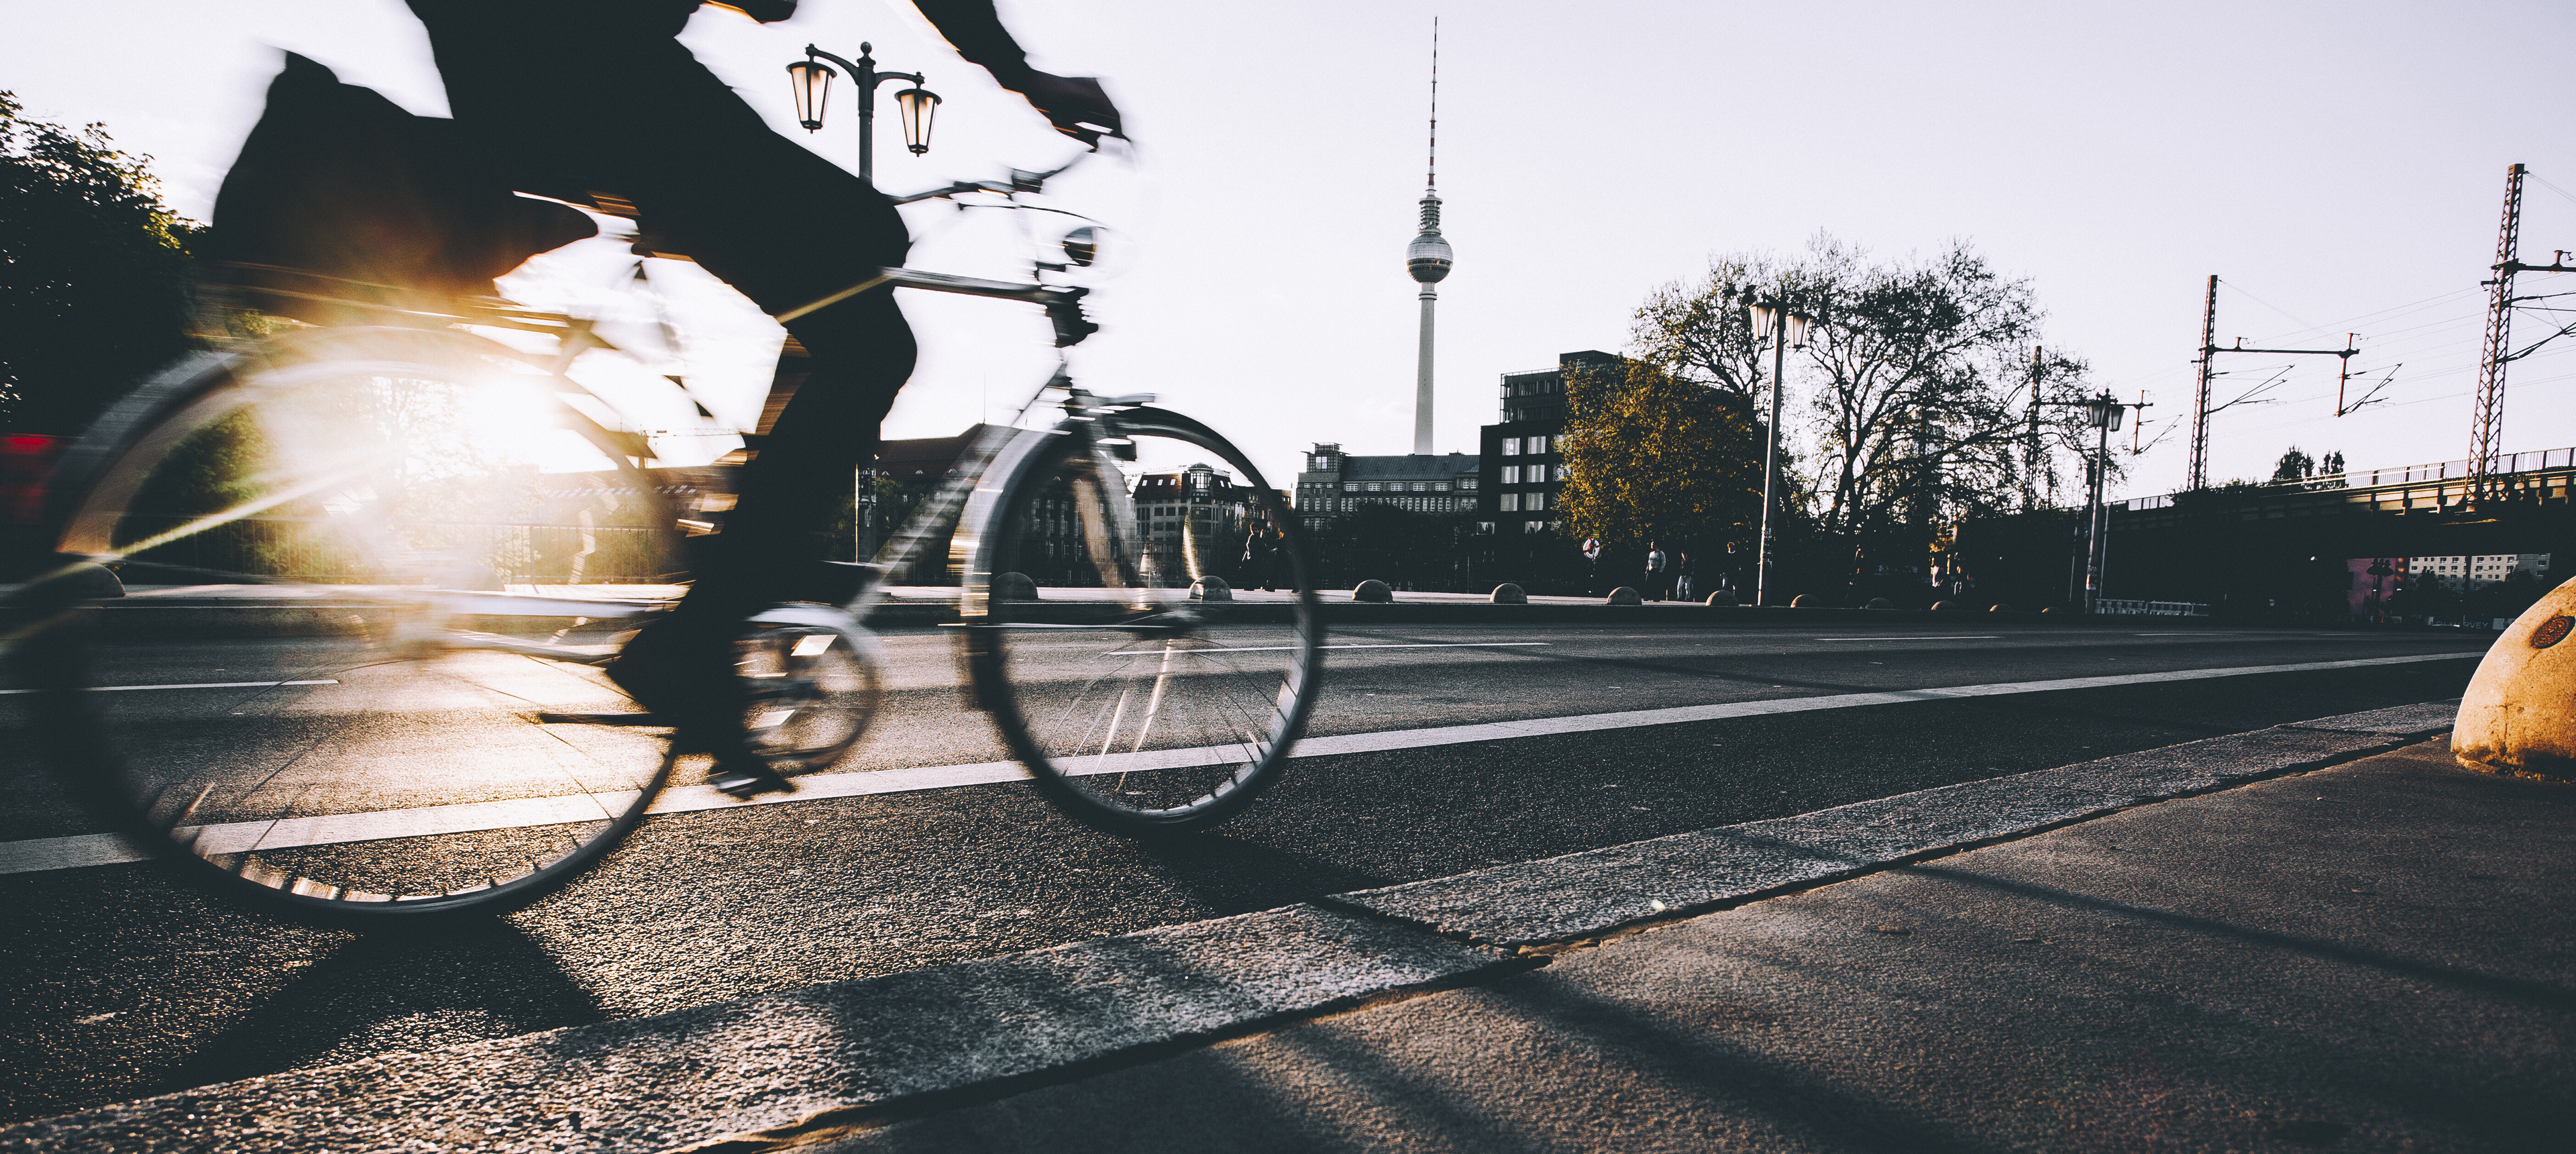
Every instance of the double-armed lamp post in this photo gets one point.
(2103, 412)
(812, 79)
(1786, 329)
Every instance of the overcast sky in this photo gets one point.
(2339, 166)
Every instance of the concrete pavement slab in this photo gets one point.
(661, 1082)
(2378, 956)
(1577, 895)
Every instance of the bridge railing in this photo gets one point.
(2530, 462)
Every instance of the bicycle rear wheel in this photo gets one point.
(1137, 709)
(370, 573)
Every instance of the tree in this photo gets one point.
(1921, 372)
(93, 273)
(1651, 455)
(2293, 467)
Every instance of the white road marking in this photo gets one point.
(38, 855)
(1963, 637)
(194, 685)
(1279, 648)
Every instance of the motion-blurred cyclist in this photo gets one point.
(599, 96)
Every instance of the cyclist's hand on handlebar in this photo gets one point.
(1074, 104)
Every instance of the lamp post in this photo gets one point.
(812, 80)
(2104, 413)
(1786, 329)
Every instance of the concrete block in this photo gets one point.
(1211, 588)
(1622, 595)
(1509, 594)
(1372, 590)
(2519, 716)
(1013, 587)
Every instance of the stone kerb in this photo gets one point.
(2519, 715)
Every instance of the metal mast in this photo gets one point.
(2488, 422)
(2199, 478)
(1428, 259)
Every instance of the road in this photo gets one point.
(121, 984)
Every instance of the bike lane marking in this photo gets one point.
(40, 855)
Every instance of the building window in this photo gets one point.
(1556, 472)
(1350, 486)
(1440, 486)
(1467, 483)
(1374, 487)
(1537, 445)
(1535, 502)
(1511, 474)
(1421, 486)
(1538, 526)
(1511, 446)
(1511, 503)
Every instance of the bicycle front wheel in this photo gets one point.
(369, 573)
(1142, 699)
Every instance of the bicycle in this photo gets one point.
(432, 734)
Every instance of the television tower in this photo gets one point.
(1428, 258)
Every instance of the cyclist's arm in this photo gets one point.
(1074, 104)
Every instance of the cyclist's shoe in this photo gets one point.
(747, 777)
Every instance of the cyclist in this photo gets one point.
(598, 100)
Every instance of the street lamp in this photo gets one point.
(2103, 414)
(811, 80)
(1786, 329)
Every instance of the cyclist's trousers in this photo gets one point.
(577, 107)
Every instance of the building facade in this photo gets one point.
(1523, 463)
(1335, 484)
(2467, 573)
(1193, 522)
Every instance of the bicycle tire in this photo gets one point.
(392, 772)
(1218, 701)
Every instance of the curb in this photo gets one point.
(768, 1072)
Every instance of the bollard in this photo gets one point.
(1879, 603)
(1806, 601)
(1722, 599)
(1944, 606)
(1623, 595)
(1999, 607)
(1372, 590)
(2519, 715)
(1211, 588)
(1509, 594)
(1014, 587)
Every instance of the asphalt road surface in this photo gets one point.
(120, 983)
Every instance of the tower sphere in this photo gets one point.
(1428, 257)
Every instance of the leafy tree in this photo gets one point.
(2294, 466)
(93, 273)
(1919, 376)
(1651, 455)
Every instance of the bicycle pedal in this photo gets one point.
(743, 784)
(553, 718)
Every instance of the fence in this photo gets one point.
(2150, 608)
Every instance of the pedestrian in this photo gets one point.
(1656, 563)
(1258, 553)
(1684, 587)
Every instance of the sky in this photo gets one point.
(2339, 166)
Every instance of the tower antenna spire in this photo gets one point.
(1433, 179)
